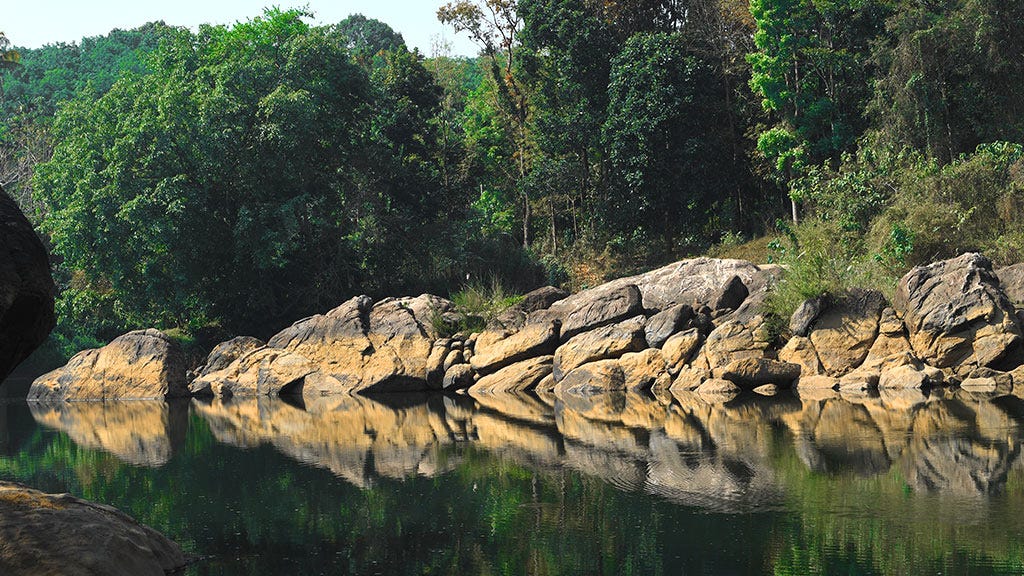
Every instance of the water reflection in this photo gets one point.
(717, 456)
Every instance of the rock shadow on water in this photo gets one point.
(138, 432)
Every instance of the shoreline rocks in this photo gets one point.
(672, 329)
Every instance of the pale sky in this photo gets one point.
(32, 23)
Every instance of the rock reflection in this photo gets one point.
(143, 433)
(719, 456)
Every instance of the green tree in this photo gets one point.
(196, 192)
(368, 37)
(813, 72)
(950, 76)
(661, 139)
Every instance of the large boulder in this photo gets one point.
(519, 377)
(357, 347)
(26, 288)
(956, 315)
(144, 364)
(1011, 280)
(666, 323)
(46, 534)
(600, 344)
(845, 328)
(749, 373)
(592, 309)
(225, 353)
(497, 348)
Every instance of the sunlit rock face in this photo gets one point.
(957, 315)
(144, 433)
(357, 347)
(143, 364)
(49, 535)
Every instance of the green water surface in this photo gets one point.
(900, 484)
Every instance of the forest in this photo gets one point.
(236, 178)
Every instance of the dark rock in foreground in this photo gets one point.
(50, 535)
(26, 288)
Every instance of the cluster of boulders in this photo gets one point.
(698, 324)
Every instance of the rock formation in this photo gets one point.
(26, 288)
(48, 534)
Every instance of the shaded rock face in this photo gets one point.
(59, 535)
(26, 288)
(225, 353)
(144, 364)
(957, 316)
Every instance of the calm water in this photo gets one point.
(902, 484)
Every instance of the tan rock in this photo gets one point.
(816, 383)
(518, 377)
(592, 378)
(749, 373)
(956, 315)
(690, 378)
(642, 370)
(844, 331)
(144, 364)
(50, 534)
(495, 349)
(602, 343)
(679, 348)
(458, 377)
(735, 340)
(800, 351)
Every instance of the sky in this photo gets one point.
(33, 23)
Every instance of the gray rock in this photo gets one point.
(593, 309)
(750, 373)
(458, 377)
(730, 296)
(957, 316)
(225, 353)
(666, 323)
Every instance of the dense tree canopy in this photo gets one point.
(248, 175)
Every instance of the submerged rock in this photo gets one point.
(144, 364)
(49, 535)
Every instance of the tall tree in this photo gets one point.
(813, 72)
(495, 26)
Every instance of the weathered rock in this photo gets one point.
(225, 353)
(356, 347)
(816, 383)
(680, 348)
(845, 329)
(734, 340)
(805, 315)
(690, 378)
(1011, 281)
(144, 364)
(749, 373)
(518, 377)
(906, 376)
(800, 350)
(26, 288)
(641, 370)
(435, 362)
(540, 299)
(495, 349)
(592, 378)
(454, 357)
(666, 323)
(595, 308)
(45, 534)
(718, 386)
(458, 377)
(957, 316)
(730, 296)
(602, 343)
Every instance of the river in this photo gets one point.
(902, 483)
